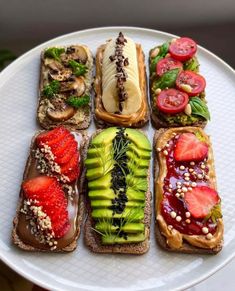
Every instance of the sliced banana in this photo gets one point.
(109, 80)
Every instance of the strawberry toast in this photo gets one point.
(50, 207)
(187, 206)
(177, 89)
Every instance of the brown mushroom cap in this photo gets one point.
(61, 75)
(76, 53)
(60, 111)
(77, 85)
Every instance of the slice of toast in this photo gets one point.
(102, 117)
(93, 240)
(76, 201)
(163, 235)
(160, 119)
(76, 117)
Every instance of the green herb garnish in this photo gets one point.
(192, 65)
(54, 53)
(78, 69)
(78, 101)
(163, 50)
(199, 107)
(200, 136)
(51, 89)
(166, 80)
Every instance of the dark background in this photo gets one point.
(26, 23)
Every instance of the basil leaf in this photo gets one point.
(166, 80)
(78, 69)
(163, 50)
(54, 53)
(51, 89)
(199, 108)
(78, 101)
(192, 65)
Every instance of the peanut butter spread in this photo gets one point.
(133, 119)
(174, 238)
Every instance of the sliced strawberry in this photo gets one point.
(46, 192)
(201, 200)
(189, 148)
(38, 184)
(71, 165)
(73, 175)
(48, 136)
(63, 146)
(68, 154)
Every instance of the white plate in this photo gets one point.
(82, 270)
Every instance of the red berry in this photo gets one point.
(71, 165)
(46, 192)
(201, 200)
(189, 148)
(68, 154)
(55, 133)
(63, 146)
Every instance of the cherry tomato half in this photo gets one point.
(183, 49)
(172, 101)
(167, 64)
(190, 82)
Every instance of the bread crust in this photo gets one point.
(42, 118)
(92, 239)
(105, 119)
(186, 247)
(16, 239)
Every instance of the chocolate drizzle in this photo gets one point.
(121, 75)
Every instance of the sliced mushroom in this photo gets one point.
(53, 64)
(60, 111)
(78, 85)
(76, 53)
(61, 75)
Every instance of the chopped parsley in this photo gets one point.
(51, 89)
(78, 69)
(78, 101)
(54, 53)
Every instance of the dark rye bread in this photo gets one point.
(161, 240)
(93, 241)
(81, 206)
(105, 119)
(42, 118)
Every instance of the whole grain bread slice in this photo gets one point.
(160, 238)
(93, 240)
(16, 239)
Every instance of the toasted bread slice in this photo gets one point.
(104, 118)
(93, 240)
(50, 111)
(21, 235)
(165, 236)
(157, 83)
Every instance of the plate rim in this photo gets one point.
(5, 73)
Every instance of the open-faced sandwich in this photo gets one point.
(120, 84)
(118, 199)
(177, 89)
(50, 207)
(64, 89)
(187, 206)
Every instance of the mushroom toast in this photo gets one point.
(120, 84)
(177, 89)
(65, 84)
(188, 206)
(118, 200)
(50, 207)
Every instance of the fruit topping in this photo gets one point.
(190, 82)
(167, 64)
(47, 202)
(183, 48)
(172, 101)
(189, 148)
(58, 154)
(201, 200)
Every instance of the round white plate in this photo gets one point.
(83, 270)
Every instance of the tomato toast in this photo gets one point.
(177, 89)
(187, 204)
